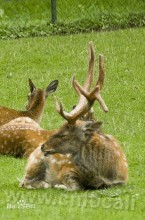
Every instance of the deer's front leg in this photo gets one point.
(70, 180)
(35, 172)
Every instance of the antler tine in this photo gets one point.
(90, 74)
(95, 94)
(87, 98)
(77, 90)
(101, 77)
(59, 107)
(73, 115)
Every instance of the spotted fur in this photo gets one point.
(21, 136)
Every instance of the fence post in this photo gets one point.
(53, 12)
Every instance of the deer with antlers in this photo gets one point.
(35, 106)
(78, 155)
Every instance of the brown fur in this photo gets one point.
(45, 172)
(98, 157)
(98, 162)
(21, 136)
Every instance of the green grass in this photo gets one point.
(46, 59)
(67, 11)
(27, 18)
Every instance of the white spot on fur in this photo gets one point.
(109, 136)
(29, 141)
(102, 137)
(28, 120)
(33, 139)
(18, 120)
(53, 160)
(60, 186)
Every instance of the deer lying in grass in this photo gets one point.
(21, 136)
(96, 161)
(35, 107)
(99, 159)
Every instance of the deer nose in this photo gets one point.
(42, 147)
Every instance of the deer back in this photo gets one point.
(21, 136)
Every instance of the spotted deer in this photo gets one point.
(21, 136)
(35, 106)
(88, 158)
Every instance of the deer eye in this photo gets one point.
(63, 136)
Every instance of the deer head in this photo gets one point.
(37, 98)
(35, 106)
(36, 93)
(74, 132)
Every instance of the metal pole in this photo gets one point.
(53, 12)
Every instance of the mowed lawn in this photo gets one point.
(61, 57)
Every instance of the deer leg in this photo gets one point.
(34, 174)
(71, 181)
(72, 184)
(105, 183)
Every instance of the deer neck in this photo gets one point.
(82, 161)
(37, 108)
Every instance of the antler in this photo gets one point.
(87, 98)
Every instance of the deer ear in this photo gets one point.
(91, 127)
(31, 85)
(51, 87)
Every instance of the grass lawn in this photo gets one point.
(27, 18)
(60, 57)
(67, 11)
